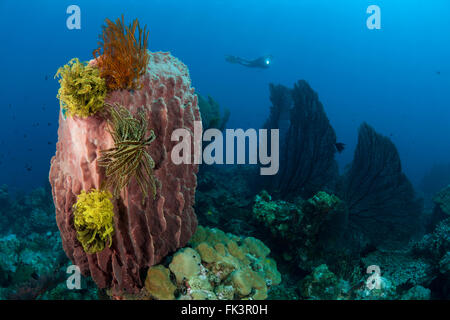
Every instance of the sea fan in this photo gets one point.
(129, 157)
(122, 58)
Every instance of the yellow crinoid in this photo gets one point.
(94, 219)
(82, 91)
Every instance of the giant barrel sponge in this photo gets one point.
(146, 227)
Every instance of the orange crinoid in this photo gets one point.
(121, 57)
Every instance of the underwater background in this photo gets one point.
(396, 79)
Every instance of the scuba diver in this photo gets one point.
(262, 62)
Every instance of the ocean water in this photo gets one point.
(396, 78)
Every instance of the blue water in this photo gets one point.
(386, 77)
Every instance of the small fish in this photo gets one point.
(438, 72)
(49, 124)
(339, 146)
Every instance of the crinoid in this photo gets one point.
(94, 219)
(83, 91)
(122, 57)
(129, 157)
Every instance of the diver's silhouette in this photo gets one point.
(262, 62)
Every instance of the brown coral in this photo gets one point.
(122, 57)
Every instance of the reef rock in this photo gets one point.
(144, 232)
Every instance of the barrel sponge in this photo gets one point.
(82, 91)
(93, 220)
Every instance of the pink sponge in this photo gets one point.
(144, 232)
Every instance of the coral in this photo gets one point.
(401, 268)
(442, 200)
(310, 230)
(26, 213)
(417, 293)
(129, 157)
(210, 113)
(322, 284)
(158, 283)
(435, 249)
(323, 202)
(223, 196)
(435, 245)
(222, 266)
(32, 262)
(145, 231)
(82, 91)
(444, 265)
(381, 200)
(307, 142)
(386, 291)
(185, 264)
(93, 219)
(122, 56)
(280, 217)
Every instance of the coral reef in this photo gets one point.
(380, 199)
(25, 214)
(434, 248)
(129, 157)
(122, 56)
(224, 197)
(158, 283)
(322, 284)
(306, 226)
(93, 215)
(217, 266)
(307, 142)
(32, 263)
(401, 267)
(442, 201)
(145, 230)
(210, 113)
(82, 91)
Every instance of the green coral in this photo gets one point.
(93, 220)
(280, 217)
(323, 202)
(322, 284)
(82, 91)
